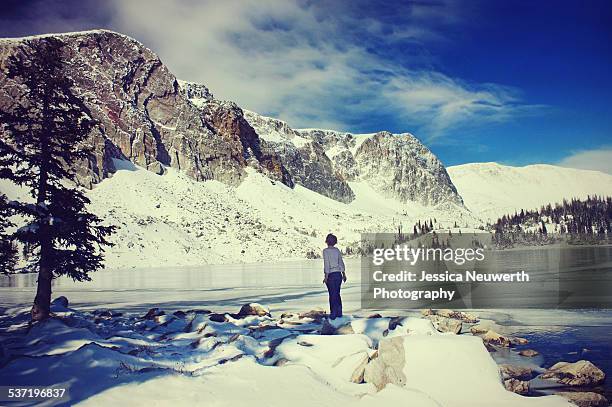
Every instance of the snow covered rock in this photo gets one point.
(387, 365)
(154, 313)
(316, 314)
(446, 325)
(447, 313)
(60, 301)
(359, 372)
(493, 338)
(515, 372)
(336, 327)
(584, 399)
(581, 373)
(516, 386)
(253, 309)
(217, 317)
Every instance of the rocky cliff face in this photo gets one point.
(395, 165)
(305, 159)
(145, 116)
(403, 167)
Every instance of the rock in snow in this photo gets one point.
(60, 301)
(253, 309)
(387, 365)
(581, 373)
(517, 386)
(444, 324)
(515, 372)
(529, 353)
(585, 399)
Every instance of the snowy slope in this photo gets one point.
(491, 190)
(174, 220)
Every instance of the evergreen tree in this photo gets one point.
(41, 139)
(8, 252)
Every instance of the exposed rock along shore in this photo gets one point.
(373, 351)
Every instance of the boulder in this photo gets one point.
(281, 362)
(60, 301)
(581, 373)
(529, 353)
(493, 338)
(253, 309)
(479, 329)
(387, 365)
(444, 324)
(153, 313)
(217, 317)
(518, 341)
(517, 386)
(327, 328)
(316, 314)
(394, 322)
(358, 373)
(346, 329)
(584, 399)
(448, 313)
(156, 167)
(515, 372)
(374, 316)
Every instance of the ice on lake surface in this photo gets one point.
(296, 287)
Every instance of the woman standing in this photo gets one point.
(334, 270)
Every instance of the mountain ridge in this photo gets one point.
(491, 190)
(148, 116)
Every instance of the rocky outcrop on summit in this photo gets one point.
(304, 159)
(147, 116)
(143, 114)
(403, 167)
(396, 165)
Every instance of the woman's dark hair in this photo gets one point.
(331, 240)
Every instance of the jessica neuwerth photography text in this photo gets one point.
(466, 271)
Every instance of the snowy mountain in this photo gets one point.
(397, 166)
(190, 179)
(491, 190)
(149, 117)
(144, 115)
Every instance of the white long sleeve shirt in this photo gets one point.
(332, 261)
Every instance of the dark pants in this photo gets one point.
(334, 280)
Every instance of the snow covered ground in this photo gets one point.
(107, 352)
(173, 220)
(491, 190)
(191, 358)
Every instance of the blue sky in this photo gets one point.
(516, 82)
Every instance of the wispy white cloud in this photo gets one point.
(313, 66)
(597, 159)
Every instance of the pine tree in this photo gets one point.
(8, 252)
(43, 138)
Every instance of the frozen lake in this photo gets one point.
(297, 286)
(285, 286)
